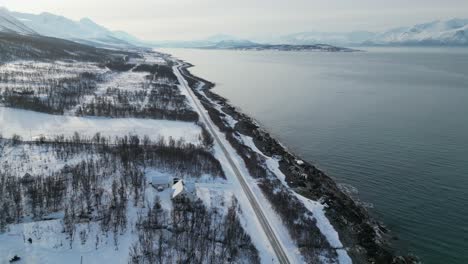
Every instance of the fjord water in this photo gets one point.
(391, 122)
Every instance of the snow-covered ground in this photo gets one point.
(124, 81)
(30, 125)
(49, 243)
(35, 160)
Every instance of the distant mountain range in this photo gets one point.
(452, 32)
(83, 31)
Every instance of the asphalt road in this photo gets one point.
(276, 245)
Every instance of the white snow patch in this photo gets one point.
(36, 160)
(28, 124)
(50, 245)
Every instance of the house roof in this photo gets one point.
(159, 179)
(178, 188)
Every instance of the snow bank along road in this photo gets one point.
(275, 243)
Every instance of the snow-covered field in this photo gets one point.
(45, 241)
(30, 125)
(51, 245)
(42, 239)
(124, 81)
(35, 160)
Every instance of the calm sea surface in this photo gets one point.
(391, 122)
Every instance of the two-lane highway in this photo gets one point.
(263, 220)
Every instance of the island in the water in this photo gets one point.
(248, 45)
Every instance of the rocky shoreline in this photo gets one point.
(365, 239)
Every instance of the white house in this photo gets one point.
(180, 191)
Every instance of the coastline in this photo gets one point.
(365, 239)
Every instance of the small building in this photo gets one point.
(160, 182)
(299, 162)
(180, 191)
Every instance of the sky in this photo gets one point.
(197, 19)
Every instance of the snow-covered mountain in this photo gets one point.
(84, 30)
(450, 32)
(9, 24)
(47, 24)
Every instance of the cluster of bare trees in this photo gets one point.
(29, 196)
(192, 233)
(54, 90)
(158, 97)
(80, 189)
(173, 155)
(157, 101)
(11, 201)
(162, 72)
(52, 95)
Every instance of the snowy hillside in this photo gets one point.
(450, 32)
(85, 30)
(10, 24)
(48, 24)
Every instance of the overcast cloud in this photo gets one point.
(195, 19)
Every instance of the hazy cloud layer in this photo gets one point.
(191, 19)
